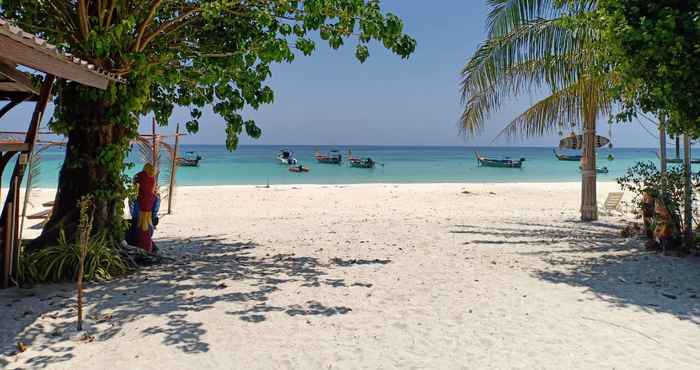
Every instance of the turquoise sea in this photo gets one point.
(258, 165)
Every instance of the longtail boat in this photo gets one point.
(501, 163)
(190, 159)
(567, 157)
(678, 160)
(333, 157)
(358, 162)
(286, 156)
(299, 169)
(362, 162)
(601, 170)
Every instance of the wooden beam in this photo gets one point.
(9, 216)
(13, 103)
(173, 169)
(11, 72)
(56, 64)
(15, 95)
(13, 146)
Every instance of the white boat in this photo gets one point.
(286, 157)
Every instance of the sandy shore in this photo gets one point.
(375, 276)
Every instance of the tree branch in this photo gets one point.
(168, 27)
(144, 24)
(83, 19)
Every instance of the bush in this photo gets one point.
(644, 181)
(61, 262)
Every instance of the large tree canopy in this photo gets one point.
(190, 53)
(653, 47)
(195, 53)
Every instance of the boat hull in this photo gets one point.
(567, 158)
(182, 162)
(360, 163)
(332, 159)
(499, 163)
(287, 161)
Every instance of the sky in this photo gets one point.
(330, 98)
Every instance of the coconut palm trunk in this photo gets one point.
(531, 46)
(589, 205)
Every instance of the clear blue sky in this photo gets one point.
(330, 98)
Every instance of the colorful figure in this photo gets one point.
(146, 187)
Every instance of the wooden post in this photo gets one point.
(8, 247)
(589, 202)
(662, 149)
(154, 149)
(688, 235)
(173, 169)
(8, 217)
(16, 242)
(678, 147)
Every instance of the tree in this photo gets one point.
(190, 53)
(653, 46)
(541, 45)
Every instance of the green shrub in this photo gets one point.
(645, 178)
(61, 262)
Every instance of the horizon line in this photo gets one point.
(426, 146)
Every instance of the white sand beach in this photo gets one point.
(434, 276)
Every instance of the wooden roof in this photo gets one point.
(22, 48)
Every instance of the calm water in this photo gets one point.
(258, 165)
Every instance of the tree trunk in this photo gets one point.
(95, 155)
(589, 203)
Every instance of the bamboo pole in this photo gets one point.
(173, 169)
(662, 154)
(7, 257)
(688, 235)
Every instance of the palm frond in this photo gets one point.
(33, 174)
(144, 149)
(528, 48)
(162, 162)
(166, 157)
(568, 105)
(508, 15)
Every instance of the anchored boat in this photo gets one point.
(286, 157)
(567, 157)
(362, 162)
(678, 160)
(299, 169)
(358, 162)
(601, 170)
(333, 157)
(502, 163)
(190, 159)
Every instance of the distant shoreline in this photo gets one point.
(373, 184)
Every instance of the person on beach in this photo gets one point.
(146, 188)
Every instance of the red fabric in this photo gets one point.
(147, 195)
(144, 240)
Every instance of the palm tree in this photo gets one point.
(541, 45)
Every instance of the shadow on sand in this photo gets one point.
(194, 282)
(596, 257)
